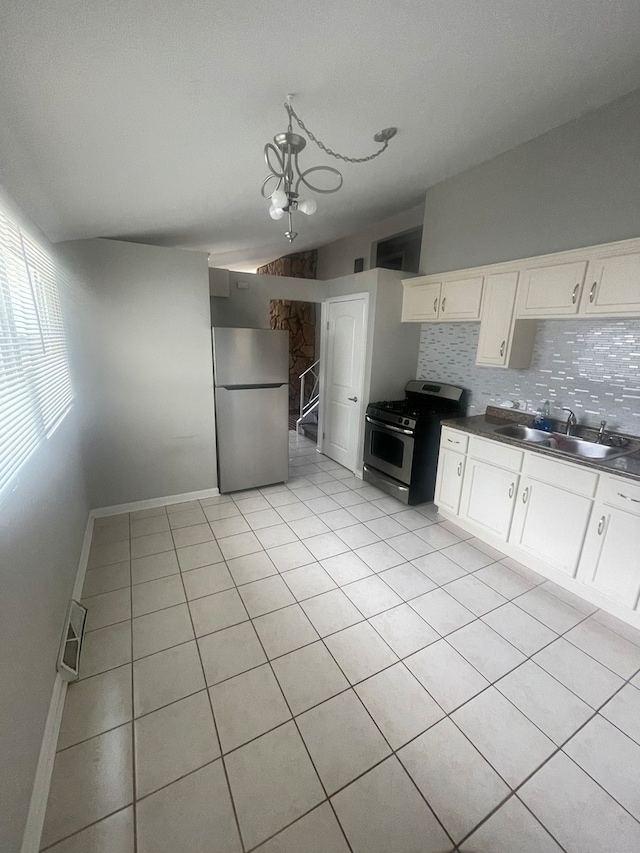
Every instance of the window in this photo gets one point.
(35, 385)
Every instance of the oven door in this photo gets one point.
(389, 449)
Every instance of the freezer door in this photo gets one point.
(253, 437)
(250, 356)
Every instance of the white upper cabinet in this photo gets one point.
(420, 300)
(613, 284)
(461, 299)
(596, 281)
(504, 341)
(552, 290)
(427, 299)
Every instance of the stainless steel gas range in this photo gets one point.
(402, 439)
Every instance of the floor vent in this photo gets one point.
(69, 656)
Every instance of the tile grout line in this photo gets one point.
(133, 725)
(476, 618)
(213, 716)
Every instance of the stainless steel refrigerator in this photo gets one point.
(251, 387)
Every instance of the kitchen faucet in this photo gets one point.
(600, 437)
(572, 423)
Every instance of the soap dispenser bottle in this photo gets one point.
(546, 417)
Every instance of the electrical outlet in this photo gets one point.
(242, 285)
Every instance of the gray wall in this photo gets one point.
(575, 186)
(336, 259)
(43, 515)
(147, 371)
(249, 309)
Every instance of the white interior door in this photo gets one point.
(344, 374)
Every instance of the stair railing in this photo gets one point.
(313, 399)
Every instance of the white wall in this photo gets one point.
(249, 308)
(43, 515)
(147, 371)
(336, 259)
(577, 185)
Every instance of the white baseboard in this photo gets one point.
(103, 511)
(42, 781)
(84, 559)
(44, 769)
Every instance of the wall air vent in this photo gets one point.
(69, 655)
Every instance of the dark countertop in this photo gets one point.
(485, 426)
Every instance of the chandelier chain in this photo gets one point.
(329, 151)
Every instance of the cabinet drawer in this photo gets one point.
(566, 476)
(497, 454)
(617, 491)
(452, 439)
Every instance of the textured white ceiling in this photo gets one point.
(146, 119)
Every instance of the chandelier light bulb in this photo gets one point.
(308, 206)
(279, 199)
(276, 212)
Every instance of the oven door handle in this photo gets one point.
(388, 426)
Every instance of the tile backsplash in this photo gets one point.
(591, 366)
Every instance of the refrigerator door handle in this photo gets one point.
(249, 387)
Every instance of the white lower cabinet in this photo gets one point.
(449, 479)
(610, 559)
(553, 510)
(549, 524)
(488, 496)
(490, 484)
(548, 512)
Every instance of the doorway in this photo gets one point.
(301, 320)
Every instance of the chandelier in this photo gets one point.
(283, 184)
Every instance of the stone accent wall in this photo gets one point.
(299, 265)
(299, 319)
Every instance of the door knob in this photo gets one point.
(355, 399)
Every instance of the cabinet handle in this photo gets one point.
(459, 469)
(575, 293)
(444, 302)
(435, 305)
(601, 526)
(525, 495)
(502, 346)
(592, 292)
(627, 498)
(452, 441)
(511, 488)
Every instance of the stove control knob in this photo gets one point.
(399, 420)
(407, 421)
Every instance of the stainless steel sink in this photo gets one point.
(523, 433)
(560, 442)
(586, 449)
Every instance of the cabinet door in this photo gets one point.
(549, 523)
(420, 302)
(497, 319)
(461, 299)
(610, 559)
(552, 291)
(488, 496)
(613, 285)
(449, 480)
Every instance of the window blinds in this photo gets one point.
(35, 385)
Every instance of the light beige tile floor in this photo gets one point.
(316, 668)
